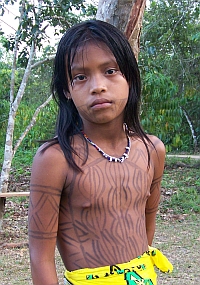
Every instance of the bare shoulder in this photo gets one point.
(47, 153)
(158, 144)
(49, 165)
(157, 155)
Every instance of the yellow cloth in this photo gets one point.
(137, 271)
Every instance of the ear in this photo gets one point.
(67, 95)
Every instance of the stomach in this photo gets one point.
(100, 243)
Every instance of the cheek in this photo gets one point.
(124, 89)
(78, 100)
(77, 96)
(123, 85)
(121, 104)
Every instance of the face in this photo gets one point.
(98, 88)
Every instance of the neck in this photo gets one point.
(112, 158)
(108, 134)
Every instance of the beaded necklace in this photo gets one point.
(124, 156)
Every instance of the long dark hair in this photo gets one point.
(69, 122)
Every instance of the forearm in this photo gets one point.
(42, 259)
(150, 226)
(44, 273)
(150, 235)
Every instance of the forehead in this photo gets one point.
(85, 51)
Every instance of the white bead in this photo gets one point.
(111, 158)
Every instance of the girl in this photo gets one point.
(95, 187)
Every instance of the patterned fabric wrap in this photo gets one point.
(137, 271)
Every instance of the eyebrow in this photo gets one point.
(79, 68)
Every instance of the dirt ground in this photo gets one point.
(178, 236)
(179, 239)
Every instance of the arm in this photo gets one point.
(152, 204)
(47, 182)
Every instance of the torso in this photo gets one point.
(102, 210)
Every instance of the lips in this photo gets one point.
(100, 102)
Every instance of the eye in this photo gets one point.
(111, 71)
(80, 77)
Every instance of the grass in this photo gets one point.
(179, 239)
(177, 233)
(181, 187)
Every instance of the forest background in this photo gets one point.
(168, 61)
(169, 65)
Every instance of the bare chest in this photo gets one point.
(102, 209)
(109, 186)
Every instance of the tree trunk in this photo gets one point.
(8, 150)
(134, 25)
(14, 104)
(126, 15)
(115, 12)
(191, 128)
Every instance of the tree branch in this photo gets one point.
(42, 61)
(14, 65)
(191, 127)
(32, 123)
(22, 87)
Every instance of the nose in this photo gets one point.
(97, 84)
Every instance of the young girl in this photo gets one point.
(95, 187)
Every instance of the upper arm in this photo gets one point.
(47, 181)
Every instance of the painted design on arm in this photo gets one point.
(43, 211)
(153, 201)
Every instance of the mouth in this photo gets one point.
(102, 102)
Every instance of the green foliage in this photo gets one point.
(184, 201)
(4, 110)
(38, 16)
(180, 186)
(169, 62)
(32, 26)
(57, 14)
(21, 162)
(29, 38)
(42, 130)
(38, 87)
(160, 115)
(5, 74)
(4, 80)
